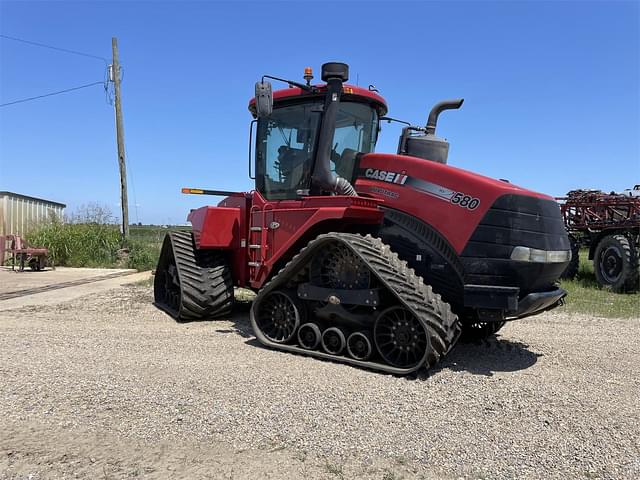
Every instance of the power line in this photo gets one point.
(74, 52)
(101, 82)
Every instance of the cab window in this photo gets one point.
(356, 132)
(285, 147)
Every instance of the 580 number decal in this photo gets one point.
(465, 201)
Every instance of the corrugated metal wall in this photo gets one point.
(18, 215)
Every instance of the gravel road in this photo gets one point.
(108, 387)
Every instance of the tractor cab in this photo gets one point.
(308, 137)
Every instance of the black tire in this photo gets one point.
(572, 269)
(616, 264)
(478, 331)
(192, 284)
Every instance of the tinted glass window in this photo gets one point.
(286, 143)
(356, 131)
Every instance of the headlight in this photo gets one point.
(526, 254)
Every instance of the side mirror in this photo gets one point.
(264, 99)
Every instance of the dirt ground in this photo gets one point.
(106, 386)
(13, 280)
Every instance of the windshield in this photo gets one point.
(286, 143)
(356, 132)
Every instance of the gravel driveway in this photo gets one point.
(107, 387)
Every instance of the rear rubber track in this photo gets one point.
(442, 324)
(206, 286)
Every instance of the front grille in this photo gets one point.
(515, 220)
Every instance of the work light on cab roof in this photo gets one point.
(377, 260)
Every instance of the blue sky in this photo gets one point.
(552, 90)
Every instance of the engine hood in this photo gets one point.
(451, 199)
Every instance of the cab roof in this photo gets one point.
(349, 92)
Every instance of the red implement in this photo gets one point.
(20, 252)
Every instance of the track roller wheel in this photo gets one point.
(309, 336)
(333, 341)
(279, 316)
(359, 346)
(400, 338)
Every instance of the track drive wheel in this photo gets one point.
(616, 264)
(192, 284)
(574, 264)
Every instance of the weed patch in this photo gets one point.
(584, 295)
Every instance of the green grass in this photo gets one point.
(586, 296)
(148, 233)
(144, 244)
(96, 244)
(78, 244)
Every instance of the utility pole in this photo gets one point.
(115, 73)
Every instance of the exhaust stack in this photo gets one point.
(425, 144)
(437, 109)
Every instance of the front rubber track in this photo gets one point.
(409, 289)
(206, 286)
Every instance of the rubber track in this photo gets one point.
(206, 287)
(442, 324)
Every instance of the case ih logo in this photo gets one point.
(390, 177)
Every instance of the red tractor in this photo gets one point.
(375, 260)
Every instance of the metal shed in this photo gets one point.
(20, 213)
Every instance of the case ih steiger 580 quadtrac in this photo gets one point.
(375, 260)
